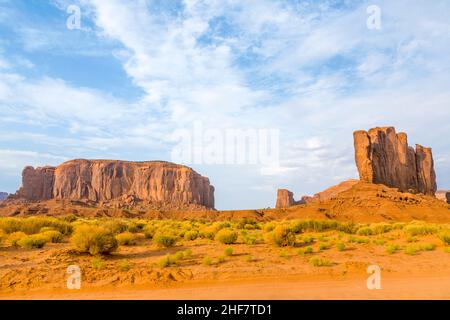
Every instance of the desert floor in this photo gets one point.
(258, 271)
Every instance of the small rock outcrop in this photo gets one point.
(155, 182)
(384, 157)
(443, 195)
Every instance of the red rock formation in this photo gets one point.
(37, 184)
(103, 180)
(285, 199)
(384, 157)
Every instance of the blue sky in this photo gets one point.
(138, 71)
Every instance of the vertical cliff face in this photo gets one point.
(383, 156)
(285, 199)
(37, 184)
(156, 182)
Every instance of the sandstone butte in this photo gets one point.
(384, 157)
(155, 182)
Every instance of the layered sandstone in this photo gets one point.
(384, 157)
(285, 199)
(155, 182)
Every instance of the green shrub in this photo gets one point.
(249, 258)
(320, 262)
(32, 242)
(365, 231)
(392, 248)
(250, 240)
(228, 251)
(126, 238)
(94, 240)
(187, 253)
(124, 265)
(14, 237)
(149, 231)
(411, 239)
(165, 240)
(226, 236)
(427, 247)
(305, 251)
(167, 261)
(411, 250)
(340, 246)
(115, 226)
(324, 246)
(207, 261)
(52, 236)
(221, 258)
(208, 232)
(445, 236)
(98, 263)
(281, 236)
(419, 229)
(379, 242)
(190, 235)
(33, 225)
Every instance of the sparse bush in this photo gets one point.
(365, 231)
(14, 237)
(167, 261)
(249, 258)
(98, 263)
(221, 258)
(207, 261)
(324, 246)
(420, 229)
(250, 240)
(305, 251)
(320, 262)
(190, 235)
(281, 236)
(52, 236)
(208, 232)
(93, 239)
(32, 242)
(149, 231)
(228, 251)
(411, 239)
(226, 236)
(124, 265)
(427, 247)
(340, 246)
(165, 240)
(392, 248)
(283, 254)
(187, 253)
(33, 225)
(126, 238)
(269, 227)
(411, 250)
(445, 236)
(115, 226)
(379, 242)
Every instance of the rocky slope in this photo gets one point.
(153, 182)
(384, 157)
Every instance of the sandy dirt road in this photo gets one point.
(398, 287)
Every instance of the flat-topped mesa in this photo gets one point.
(383, 156)
(155, 182)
